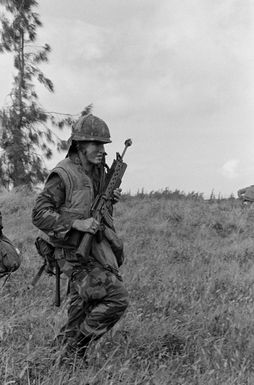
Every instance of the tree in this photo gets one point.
(26, 139)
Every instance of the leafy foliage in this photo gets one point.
(26, 139)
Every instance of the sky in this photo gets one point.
(177, 77)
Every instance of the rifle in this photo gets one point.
(99, 208)
(46, 251)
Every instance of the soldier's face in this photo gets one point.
(93, 151)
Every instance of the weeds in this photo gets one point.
(189, 272)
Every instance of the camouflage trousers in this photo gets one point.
(98, 299)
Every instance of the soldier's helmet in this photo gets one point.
(90, 128)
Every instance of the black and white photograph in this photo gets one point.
(126, 192)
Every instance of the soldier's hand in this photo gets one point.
(89, 225)
(117, 195)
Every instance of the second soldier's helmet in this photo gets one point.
(90, 128)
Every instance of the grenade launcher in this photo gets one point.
(99, 209)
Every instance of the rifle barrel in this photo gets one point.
(57, 292)
(38, 275)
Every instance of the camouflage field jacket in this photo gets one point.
(50, 213)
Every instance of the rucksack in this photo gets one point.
(10, 257)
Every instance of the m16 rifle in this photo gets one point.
(99, 209)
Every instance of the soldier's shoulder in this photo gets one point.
(246, 193)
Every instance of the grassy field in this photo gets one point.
(190, 274)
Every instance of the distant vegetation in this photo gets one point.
(190, 274)
(175, 194)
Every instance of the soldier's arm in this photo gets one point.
(46, 214)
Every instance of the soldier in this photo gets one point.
(246, 194)
(62, 210)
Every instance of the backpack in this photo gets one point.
(10, 258)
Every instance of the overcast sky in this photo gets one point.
(176, 76)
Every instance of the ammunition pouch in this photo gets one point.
(46, 251)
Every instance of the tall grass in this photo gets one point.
(190, 275)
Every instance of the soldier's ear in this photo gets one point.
(81, 145)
